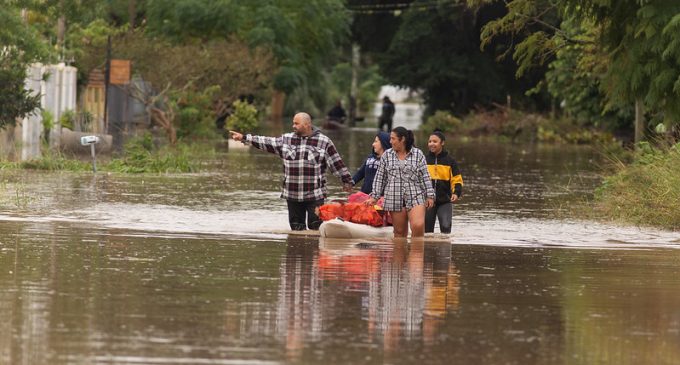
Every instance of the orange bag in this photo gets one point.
(330, 211)
(362, 214)
(352, 212)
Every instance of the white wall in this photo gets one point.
(58, 94)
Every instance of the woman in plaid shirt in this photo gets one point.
(403, 179)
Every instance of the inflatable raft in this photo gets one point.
(338, 228)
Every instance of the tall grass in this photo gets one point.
(645, 192)
(49, 161)
(142, 156)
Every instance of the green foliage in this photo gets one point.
(195, 116)
(628, 48)
(19, 46)
(438, 51)
(47, 119)
(574, 79)
(644, 41)
(370, 82)
(14, 194)
(15, 100)
(243, 118)
(53, 161)
(302, 34)
(644, 192)
(533, 23)
(202, 19)
(68, 119)
(369, 86)
(442, 120)
(85, 118)
(195, 67)
(87, 45)
(141, 156)
(519, 126)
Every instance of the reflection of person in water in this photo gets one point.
(298, 317)
(401, 290)
(441, 290)
(409, 287)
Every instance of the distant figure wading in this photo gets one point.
(387, 114)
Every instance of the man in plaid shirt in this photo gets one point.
(306, 154)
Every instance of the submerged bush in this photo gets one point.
(646, 191)
(442, 120)
(141, 156)
(244, 117)
(51, 161)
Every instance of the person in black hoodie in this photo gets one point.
(447, 182)
(368, 169)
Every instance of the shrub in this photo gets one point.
(644, 192)
(67, 119)
(141, 156)
(443, 121)
(244, 117)
(195, 116)
(54, 161)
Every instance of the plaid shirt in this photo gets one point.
(404, 183)
(305, 160)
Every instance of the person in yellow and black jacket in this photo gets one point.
(447, 182)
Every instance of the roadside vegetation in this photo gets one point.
(644, 192)
(517, 126)
(140, 155)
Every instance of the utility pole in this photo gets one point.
(132, 13)
(639, 121)
(61, 27)
(354, 88)
(107, 80)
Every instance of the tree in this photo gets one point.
(20, 46)
(575, 76)
(303, 35)
(640, 43)
(436, 49)
(227, 68)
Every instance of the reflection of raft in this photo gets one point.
(338, 228)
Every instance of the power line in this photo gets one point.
(389, 8)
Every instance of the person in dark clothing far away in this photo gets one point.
(337, 113)
(387, 114)
(447, 182)
(368, 169)
(306, 155)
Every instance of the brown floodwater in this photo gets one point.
(200, 269)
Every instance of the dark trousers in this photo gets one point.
(442, 211)
(385, 121)
(299, 211)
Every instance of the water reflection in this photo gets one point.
(70, 295)
(386, 292)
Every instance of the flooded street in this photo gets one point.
(200, 269)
